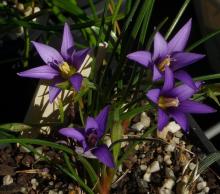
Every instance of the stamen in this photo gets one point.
(165, 102)
(165, 62)
(66, 70)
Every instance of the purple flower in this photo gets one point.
(169, 54)
(60, 66)
(175, 102)
(90, 136)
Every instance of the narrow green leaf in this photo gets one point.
(199, 42)
(115, 13)
(180, 13)
(207, 77)
(90, 170)
(117, 133)
(133, 112)
(93, 9)
(61, 110)
(15, 127)
(208, 161)
(213, 95)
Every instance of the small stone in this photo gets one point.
(154, 167)
(170, 148)
(147, 176)
(20, 6)
(202, 192)
(51, 183)
(169, 173)
(201, 185)
(7, 180)
(165, 191)
(34, 183)
(137, 126)
(52, 192)
(107, 140)
(175, 140)
(23, 190)
(168, 184)
(167, 159)
(143, 167)
(160, 158)
(145, 120)
(192, 166)
(60, 192)
(173, 127)
(179, 134)
(206, 189)
(136, 147)
(39, 151)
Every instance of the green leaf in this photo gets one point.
(208, 161)
(15, 127)
(116, 10)
(61, 110)
(207, 77)
(134, 111)
(63, 85)
(213, 95)
(199, 42)
(90, 170)
(180, 13)
(117, 133)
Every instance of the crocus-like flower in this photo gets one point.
(175, 102)
(169, 54)
(60, 66)
(90, 136)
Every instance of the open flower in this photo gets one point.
(175, 102)
(90, 136)
(169, 54)
(60, 66)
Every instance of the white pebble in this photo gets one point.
(7, 180)
(52, 192)
(170, 148)
(192, 166)
(147, 176)
(176, 140)
(201, 185)
(206, 189)
(143, 167)
(154, 167)
(169, 173)
(165, 191)
(179, 134)
(60, 192)
(173, 127)
(137, 126)
(145, 120)
(167, 159)
(159, 158)
(168, 184)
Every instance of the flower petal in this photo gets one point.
(104, 155)
(53, 93)
(184, 92)
(189, 106)
(67, 43)
(101, 120)
(48, 54)
(72, 133)
(153, 95)
(163, 119)
(42, 72)
(160, 46)
(185, 78)
(91, 124)
(181, 119)
(178, 42)
(78, 57)
(142, 57)
(182, 59)
(156, 74)
(168, 80)
(76, 81)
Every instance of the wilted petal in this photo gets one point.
(72, 133)
(42, 72)
(163, 119)
(101, 120)
(156, 74)
(180, 118)
(178, 42)
(160, 46)
(78, 57)
(182, 59)
(185, 78)
(87, 154)
(189, 106)
(153, 95)
(76, 81)
(184, 92)
(142, 57)
(53, 93)
(91, 124)
(169, 80)
(48, 54)
(104, 155)
(67, 43)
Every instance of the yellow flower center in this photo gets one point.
(66, 70)
(164, 63)
(165, 102)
